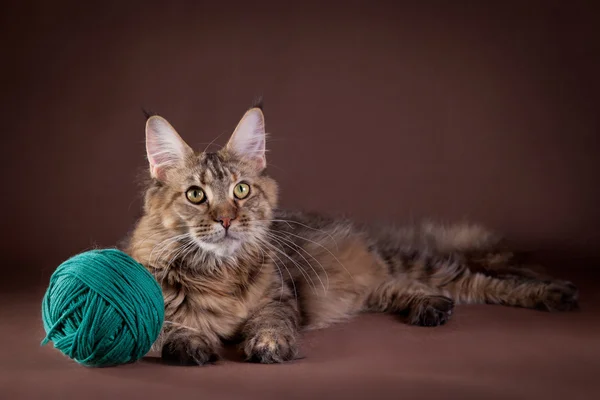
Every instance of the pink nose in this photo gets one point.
(225, 221)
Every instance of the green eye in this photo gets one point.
(195, 195)
(241, 190)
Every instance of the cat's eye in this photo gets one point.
(195, 195)
(241, 190)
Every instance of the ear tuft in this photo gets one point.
(248, 139)
(258, 103)
(148, 113)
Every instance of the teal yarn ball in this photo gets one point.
(102, 308)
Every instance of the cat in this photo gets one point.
(233, 265)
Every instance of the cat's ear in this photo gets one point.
(164, 147)
(248, 139)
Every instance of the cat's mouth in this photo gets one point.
(223, 237)
(227, 237)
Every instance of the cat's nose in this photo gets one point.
(225, 221)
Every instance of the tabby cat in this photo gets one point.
(233, 265)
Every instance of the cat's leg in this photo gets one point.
(503, 264)
(500, 277)
(470, 265)
(271, 332)
(185, 346)
(421, 304)
(516, 289)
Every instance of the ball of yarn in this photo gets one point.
(102, 308)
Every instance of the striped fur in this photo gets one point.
(275, 272)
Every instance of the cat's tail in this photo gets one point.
(471, 246)
(480, 249)
(461, 237)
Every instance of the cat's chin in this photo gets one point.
(222, 247)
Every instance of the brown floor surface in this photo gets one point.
(484, 352)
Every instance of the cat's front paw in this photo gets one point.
(432, 311)
(270, 346)
(559, 296)
(188, 352)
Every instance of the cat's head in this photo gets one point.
(218, 201)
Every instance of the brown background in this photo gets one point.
(382, 110)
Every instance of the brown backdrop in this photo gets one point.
(382, 110)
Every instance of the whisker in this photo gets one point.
(289, 221)
(282, 241)
(320, 245)
(180, 253)
(305, 274)
(280, 274)
(154, 234)
(289, 273)
(164, 247)
(164, 244)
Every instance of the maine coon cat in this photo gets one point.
(233, 265)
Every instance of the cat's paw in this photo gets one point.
(431, 311)
(559, 296)
(187, 352)
(270, 346)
